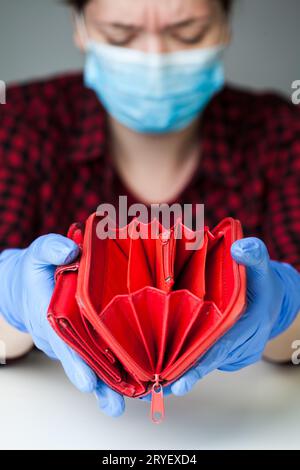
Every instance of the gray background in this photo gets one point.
(36, 40)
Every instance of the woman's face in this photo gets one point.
(156, 26)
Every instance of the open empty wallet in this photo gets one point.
(142, 310)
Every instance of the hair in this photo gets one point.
(80, 4)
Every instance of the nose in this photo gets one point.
(154, 43)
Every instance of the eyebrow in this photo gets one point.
(185, 23)
(123, 26)
(131, 27)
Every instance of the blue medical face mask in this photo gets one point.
(154, 93)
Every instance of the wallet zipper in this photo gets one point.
(157, 401)
(167, 260)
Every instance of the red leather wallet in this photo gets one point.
(141, 311)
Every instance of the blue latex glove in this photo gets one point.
(273, 296)
(27, 283)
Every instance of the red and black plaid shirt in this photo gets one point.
(55, 167)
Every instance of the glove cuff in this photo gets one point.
(8, 267)
(290, 307)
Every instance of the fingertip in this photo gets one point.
(54, 249)
(71, 256)
(112, 410)
(118, 410)
(180, 388)
(249, 251)
(110, 402)
(67, 251)
(185, 384)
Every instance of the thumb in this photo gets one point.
(252, 253)
(53, 250)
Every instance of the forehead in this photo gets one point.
(141, 11)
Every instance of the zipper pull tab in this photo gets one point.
(157, 402)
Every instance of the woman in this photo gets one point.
(150, 119)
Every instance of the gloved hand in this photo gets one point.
(27, 283)
(273, 296)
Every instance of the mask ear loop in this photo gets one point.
(80, 23)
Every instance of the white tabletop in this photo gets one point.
(255, 408)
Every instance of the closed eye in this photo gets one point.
(118, 34)
(190, 32)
